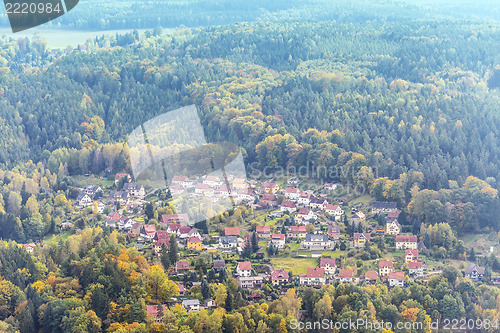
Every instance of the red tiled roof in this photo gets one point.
(406, 239)
(299, 229)
(263, 228)
(371, 275)
(397, 275)
(292, 190)
(182, 265)
(179, 178)
(345, 273)
(414, 265)
(231, 231)
(304, 211)
(327, 261)
(245, 266)
(411, 252)
(288, 204)
(315, 272)
(385, 263)
(279, 275)
(278, 236)
(194, 240)
(365, 234)
(331, 207)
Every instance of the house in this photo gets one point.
(29, 247)
(156, 311)
(360, 239)
(406, 242)
(134, 190)
(232, 231)
(292, 181)
(391, 216)
(83, 200)
(251, 282)
(278, 240)
(412, 256)
(181, 266)
(176, 190)
(244, 269)
(358, 217)
(392, 228)
(246, 194)
(183, 181)
(240, 183)
(100, 206)
(224, 191)
(279, 277)
(298, 231)
(314, 277)
(174, 218)
(371, 277)
(191, 305)
(330, 187)
(120, 197)
(385, 267)
(474, 272)
(334, 231)
(182, 290)
(218, 264)
(495, 280)
(119, 176)
(345, 275)
(334, 210)
(212, 181)
(384, 207)
(416, 269)
(209, 303)
(288, 206)
(183, 232)
(227, 243)
(315, 242)
(270, 199)
(396, 279)
(125, 223)
(136, 228)
(148, 231)
(263, 231)
(193, 233)
(305, 198)
(306, 214)
(269, 187)
(292, 193)
(194, 244)
(318, 203)
(329, 265)
(161, 238)
(92, 190)
(172, 228)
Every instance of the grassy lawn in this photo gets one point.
(296, 265)
(333, 254)
(84, 181)
(294, 246)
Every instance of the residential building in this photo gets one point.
(474, 272)
(318, 203)
(316, 242)
(269, 187)
(174, 218)
(251, 282)
(297, 231)
(305, 214)
(360, 239)
(330, 187)
(305, 198)
(371, 277)
(358, 217)
(212, 181)
(181, 266)
(155, 311)
(134, 190)
(288, 206)
(218, 264)
(194, 244)
(345, 275)
(263, 231)
(240, 184)
(411, 256)
(406, 242)
(329, 265)
(334, 231)
(92, 190)
(148, 231)
(334, 210)
(83, 200)
(279, 277)
(119, 176)
(292, 193)
(314, 276)
(232, 231)
(396, 279)
(228, 243)
(384, 207)
(183, 181)
(270, 199)
(191, 305)
(278, 240)
(416, 269)
(244, 269)
(392, 228)
(385, 267)
(246, 194)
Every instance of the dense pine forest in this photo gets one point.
(407, 109)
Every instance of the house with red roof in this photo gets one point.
(174, 218)
(119, 176)
(334, 210)
(156, 312)
(396, 279)
(298, 231)
(278, 240)
(371, 277)
(269, 187)
(406, 242)
(279, 277)
(231, 231)
(385, 267)
(415, 269)
(181, 266)
(263, 231)
(292, 193)
(334, 231)
(315, 276)
(411, 255)
(305, 214)
(360, 239)
(194, 244)
(345, 275)
(148, 231)
(244, 269)
(329, 265)
(288, 206)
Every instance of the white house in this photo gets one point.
(314, 276)
(292, 193)
(329, 265)
(244, 269)
(278, 240)
(84, 200)
(396, 279)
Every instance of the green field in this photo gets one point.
(295, 265)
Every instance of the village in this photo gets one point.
(305, 237)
